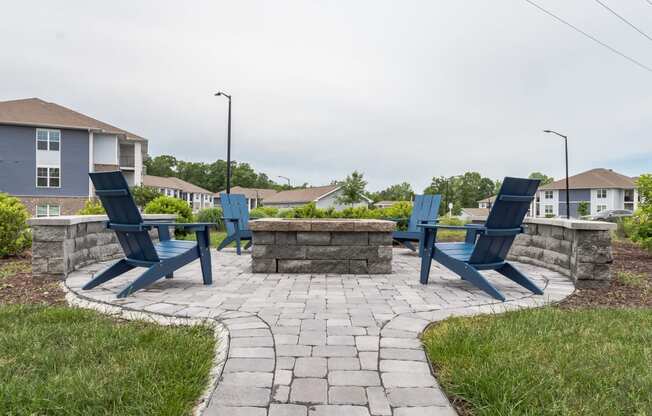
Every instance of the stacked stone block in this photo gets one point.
(322, 246)
(580, 250)
(63, 244)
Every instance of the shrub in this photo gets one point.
(263, 212)
(583, 208)
(14, 234)
(92, 207)
(143, 195)
(213, 215)
(639, 227)
(169, 205)
(448, 220)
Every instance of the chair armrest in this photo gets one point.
(467, 227)
(190, 226)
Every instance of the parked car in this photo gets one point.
(612, 215)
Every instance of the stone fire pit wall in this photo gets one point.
(63, 244)
(578, 249)
(322, 246)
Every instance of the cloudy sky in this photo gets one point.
(400, 90)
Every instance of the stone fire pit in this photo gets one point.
(322, 246)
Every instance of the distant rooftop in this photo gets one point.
(594, 178)
(39, 113)
(173, 183)
(302, 195)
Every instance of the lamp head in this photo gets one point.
(217, 94)
(547, 131)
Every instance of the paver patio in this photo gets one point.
(302, 344)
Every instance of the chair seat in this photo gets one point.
(459, 251)
(172, 248)
(406, 235)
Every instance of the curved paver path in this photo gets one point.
(321, 345)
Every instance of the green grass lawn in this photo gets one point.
(547, 361)
(65, 361)
(216, 238)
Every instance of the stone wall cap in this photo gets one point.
(564, 223)
(82, 219)
(333, 225)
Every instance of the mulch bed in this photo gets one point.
(17, 286)
(630, 258)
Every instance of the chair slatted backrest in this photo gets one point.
(234, 206)
(504, 220)
(424, 208)
(124, 217)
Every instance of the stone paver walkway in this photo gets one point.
(323, 345)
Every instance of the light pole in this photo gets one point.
(286, 178)
(228, 144)
(567, 187)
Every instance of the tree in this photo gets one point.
(545, 180)
(582, 208)
(353, 189)
(463, 191)
(144, 194)
(163, 165)
(399, 192)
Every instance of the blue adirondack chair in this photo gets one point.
(425, 210)
(161, 259)
(236, 220)
(486, 246)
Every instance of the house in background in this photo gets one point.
(322, 196)
(487, 202)
(47, 150)
(602, 189)
(255, 196)
(474, 214)
(197, 197)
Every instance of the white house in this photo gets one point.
(323, 197)
(197, 197)
(255, 196)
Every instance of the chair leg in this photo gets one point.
(203, 241)
(409, 245)
(246, 247)
(147, 278)
(517, 276)
(238, 244)
(470, 274)
(114, 270)
(228, 240)
(428, 251)
(169, 276)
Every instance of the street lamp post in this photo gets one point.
(567, 187)
(286, 178)
(228, 144)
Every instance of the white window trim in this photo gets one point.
(48, 131)
(552, 209)
(545, 195)
(48, 167)
(598, 191)
(48, 208)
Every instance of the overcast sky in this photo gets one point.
(400, 90)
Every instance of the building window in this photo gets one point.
(48, 210)
(547, 194)
(48, 177)
(48, 140)
(602, 193)
(548, 210)
(601, 208)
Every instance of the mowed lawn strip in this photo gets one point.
(67, 361)
(547, 362)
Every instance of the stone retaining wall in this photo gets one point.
(580, 250)
(322, 246)
(66, 243)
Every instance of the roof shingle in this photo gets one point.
(592, 179)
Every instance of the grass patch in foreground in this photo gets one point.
(547, 362)
(65, 361)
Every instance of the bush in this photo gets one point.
(169, 205)
(639, 227)
(92, 207)
(14, 234)
(213, 215)
(583, 208)
(448, 220)
(143, 195)
(264, 212)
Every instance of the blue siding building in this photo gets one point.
(47, 150)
